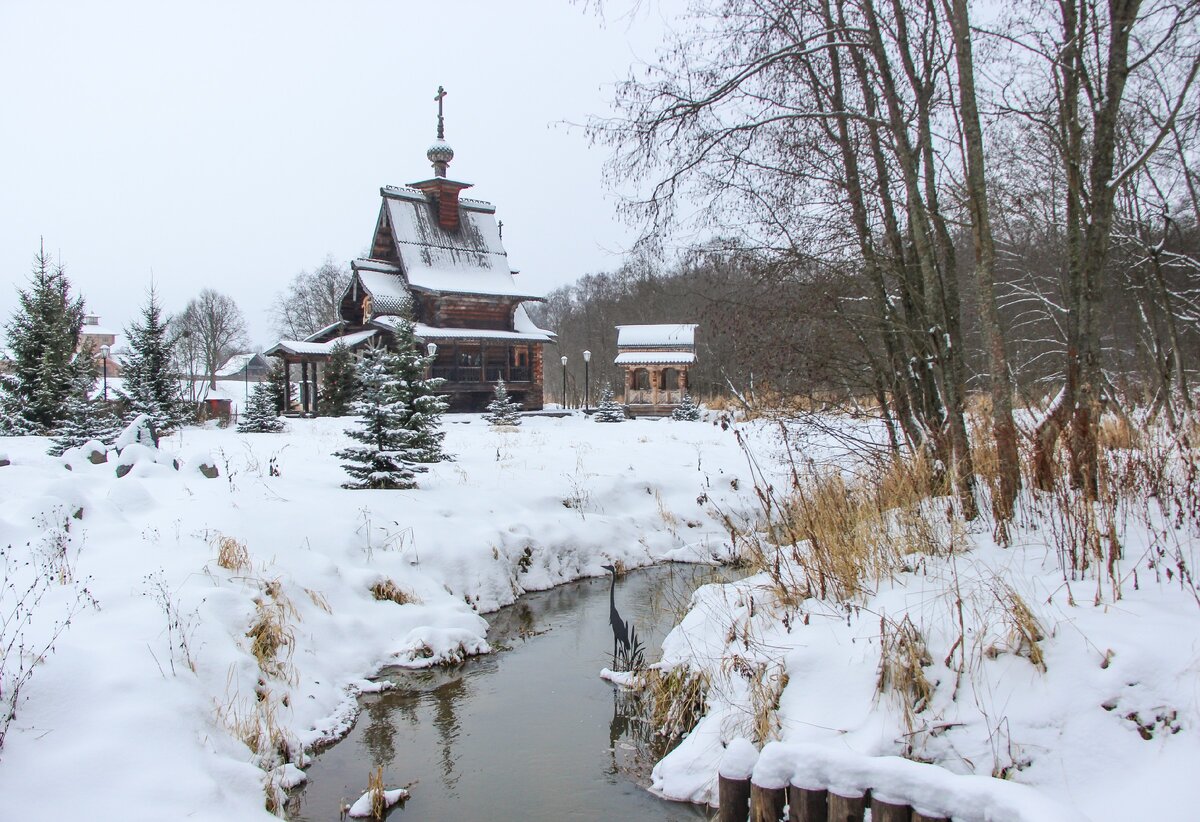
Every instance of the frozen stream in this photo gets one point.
(530, 732)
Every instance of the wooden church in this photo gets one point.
(437, 259)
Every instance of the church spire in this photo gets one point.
(440, 153)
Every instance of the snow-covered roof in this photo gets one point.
(655, 358)
(306, 347)
(677, 335)
(524, 323)
(388, 294)
(236, 364)
(468, 260)
(316, 335)
(429, 332)
(98, 331)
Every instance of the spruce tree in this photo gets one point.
(503, 410)
(43, 336)
(262, 414)
(152, 385)
(687, 411)
(339, 383)
(281, 386)
(423, 405)
(385, 458)
(609, 409)
(86, 419)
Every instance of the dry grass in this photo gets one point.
(388, 590)
(376, 790)
(841, 536)
(255, 724)
(1024, 630)
(1115, 432)
(319, 600)
(271, 633)
(675, 699)
(903, 658)
(232, 554)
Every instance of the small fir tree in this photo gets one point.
(503, 410)
(609, 410)
(339, 383)
(43, 336)
(261, 416)
(152, 385)
(282, 392)
(385, 458)
(687, 411)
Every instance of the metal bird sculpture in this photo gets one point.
(628, 654)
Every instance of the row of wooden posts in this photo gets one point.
(741, 800)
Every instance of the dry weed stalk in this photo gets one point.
(1024, 630)
(386, 590)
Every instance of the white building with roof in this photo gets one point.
(656, 360)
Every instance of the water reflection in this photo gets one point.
(531, 732)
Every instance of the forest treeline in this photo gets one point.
(938, 194)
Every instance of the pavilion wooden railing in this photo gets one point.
(811, 783)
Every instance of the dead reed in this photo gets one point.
(386, 590)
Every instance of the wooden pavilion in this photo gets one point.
(438, 260)
(656, 359)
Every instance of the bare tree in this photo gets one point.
(213, 324)
(312, 300)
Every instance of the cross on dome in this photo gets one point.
(440, 153)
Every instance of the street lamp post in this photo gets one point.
(587, 383)
(104, 356)
(564, 387)
(431, 350)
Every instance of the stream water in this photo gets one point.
(530, 732)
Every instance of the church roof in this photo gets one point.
(469, 259)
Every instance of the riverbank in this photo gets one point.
(222, 626)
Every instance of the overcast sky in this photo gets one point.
(232, 144)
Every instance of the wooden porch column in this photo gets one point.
(508, 358)
(454, 365)
(304, 386)
(315, 388)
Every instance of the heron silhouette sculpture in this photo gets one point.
(628, 654)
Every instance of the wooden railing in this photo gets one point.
(813, 783)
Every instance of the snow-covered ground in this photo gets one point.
(145, 705)
(1091, 695)
(141, 708)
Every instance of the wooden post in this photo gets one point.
(846, 808)
(887, 812)
(807, 805)
(316, 390)
(734, 798)
(303, 387)
(917, 816)
(766, 804)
